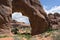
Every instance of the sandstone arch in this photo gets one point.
(30, 8)
(35, 12)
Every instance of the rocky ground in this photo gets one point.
(49, 35)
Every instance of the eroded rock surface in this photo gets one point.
(5, 16)
(54, 20)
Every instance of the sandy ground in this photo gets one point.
(7, 38)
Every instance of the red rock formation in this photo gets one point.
(5, 13)
(30, 8)
(54, 20)
(21, 26)
(35, 12)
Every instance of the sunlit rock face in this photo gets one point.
(54, 20)
(35, 12)
(21, 26)
(5, 16)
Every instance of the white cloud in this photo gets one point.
(16, 15)
(53, 9)
(46, 10)
(20, 18)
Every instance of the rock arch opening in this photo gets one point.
(31, 8)
(35, 12)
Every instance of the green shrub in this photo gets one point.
(3, 36)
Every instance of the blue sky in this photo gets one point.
(48, 5)
(20, 18)
(51, 5)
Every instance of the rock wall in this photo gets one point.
(5, 16)
(34, 10)
(54, 20)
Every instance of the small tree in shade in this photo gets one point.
(14, 30)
